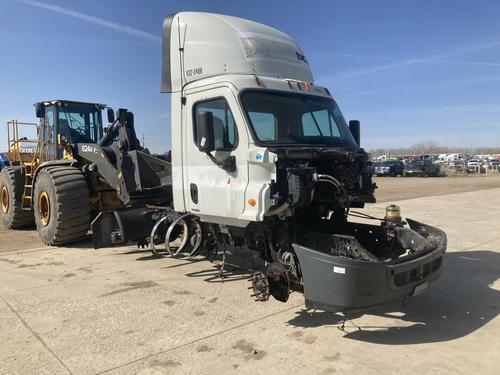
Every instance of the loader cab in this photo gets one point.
(68, 121)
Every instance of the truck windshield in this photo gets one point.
(81, 122)
(296, 119)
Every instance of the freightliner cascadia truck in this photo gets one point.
(262, 158)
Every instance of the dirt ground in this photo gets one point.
(19, 240)
(399, 188)
(76, 310)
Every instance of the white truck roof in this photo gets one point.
(198, 45)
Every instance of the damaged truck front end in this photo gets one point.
(340, 264)
(357, 266)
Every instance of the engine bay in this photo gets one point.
(320, 181)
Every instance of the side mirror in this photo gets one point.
(111, 115)
(355, 128)
(40, 110)
(205, 132)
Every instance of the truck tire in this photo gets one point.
(61, 205)
(12, 216)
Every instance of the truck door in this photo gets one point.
(48, 137)
(209, 189)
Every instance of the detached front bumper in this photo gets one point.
(338, 283)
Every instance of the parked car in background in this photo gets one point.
(455, 157)
(473, 165)
(442, 159)
(494, 164)
(391, 168)
(421, 168)
(460, 166)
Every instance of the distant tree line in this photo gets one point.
(431, 147)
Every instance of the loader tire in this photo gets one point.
(12, 216)
(61, 205)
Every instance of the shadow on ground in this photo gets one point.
(460, 302)
(239, 265)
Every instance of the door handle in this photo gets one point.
(194, 193)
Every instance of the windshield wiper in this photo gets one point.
(316, 123)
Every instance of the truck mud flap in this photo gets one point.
(337, 283)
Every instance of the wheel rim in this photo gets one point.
(4, 197)
(44, 208)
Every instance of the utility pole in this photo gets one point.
(143, 144)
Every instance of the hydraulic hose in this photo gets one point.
(184, 237)
(153, 234)
(171, 227)
(336, 183)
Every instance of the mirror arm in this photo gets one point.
(228, 164)
(214, 159)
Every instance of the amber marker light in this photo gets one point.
(252, 202)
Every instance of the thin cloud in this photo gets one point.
(421, 60)
(424, 86)
(328, 58)
(467, 62)
(92, 19)
(322, 57)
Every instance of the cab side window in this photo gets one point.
(225, 133)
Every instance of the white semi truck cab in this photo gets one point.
(263, 158)
(252, 86)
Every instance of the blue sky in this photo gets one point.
(409, 70)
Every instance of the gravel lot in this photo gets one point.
(399, 188)
(120, 311)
